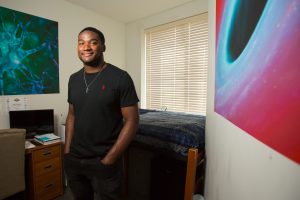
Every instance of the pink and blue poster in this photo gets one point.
(258, 70)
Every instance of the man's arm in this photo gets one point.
(131, 117)
(69, 128)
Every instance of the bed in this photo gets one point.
(175, 134)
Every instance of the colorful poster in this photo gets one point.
(258, 70)
(28, 54)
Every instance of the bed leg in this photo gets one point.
(191, 174)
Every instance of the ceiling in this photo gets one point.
(128, 10)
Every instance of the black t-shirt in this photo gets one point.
(98, 117)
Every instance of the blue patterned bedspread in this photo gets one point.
(171, 130)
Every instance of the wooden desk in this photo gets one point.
(44, 171)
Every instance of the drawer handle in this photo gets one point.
(47, 152)
(49, 186)
(47, 167)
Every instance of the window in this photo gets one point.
(176, 65)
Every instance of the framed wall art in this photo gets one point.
(28, 54)
(257, 84)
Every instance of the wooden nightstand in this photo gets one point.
(44, 171)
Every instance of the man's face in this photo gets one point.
(90, 48)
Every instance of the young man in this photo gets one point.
(101, 122)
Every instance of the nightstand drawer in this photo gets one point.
(47, 166)
(46, 153)
(49, 185)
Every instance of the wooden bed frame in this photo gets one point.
(194, 157)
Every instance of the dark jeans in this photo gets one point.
(89, 178)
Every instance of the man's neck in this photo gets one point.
(94, 69)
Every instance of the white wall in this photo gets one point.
(135, 34)
(239, 167)
(71, 19)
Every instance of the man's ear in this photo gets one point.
(103, 48)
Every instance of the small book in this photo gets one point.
(46, 138)
(38, 142)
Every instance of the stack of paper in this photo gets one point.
(28, 145)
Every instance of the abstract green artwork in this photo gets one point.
(28, 54)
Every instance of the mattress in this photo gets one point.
(172, 131)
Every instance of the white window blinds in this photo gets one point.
(176, 65)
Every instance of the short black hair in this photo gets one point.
(99, 33)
